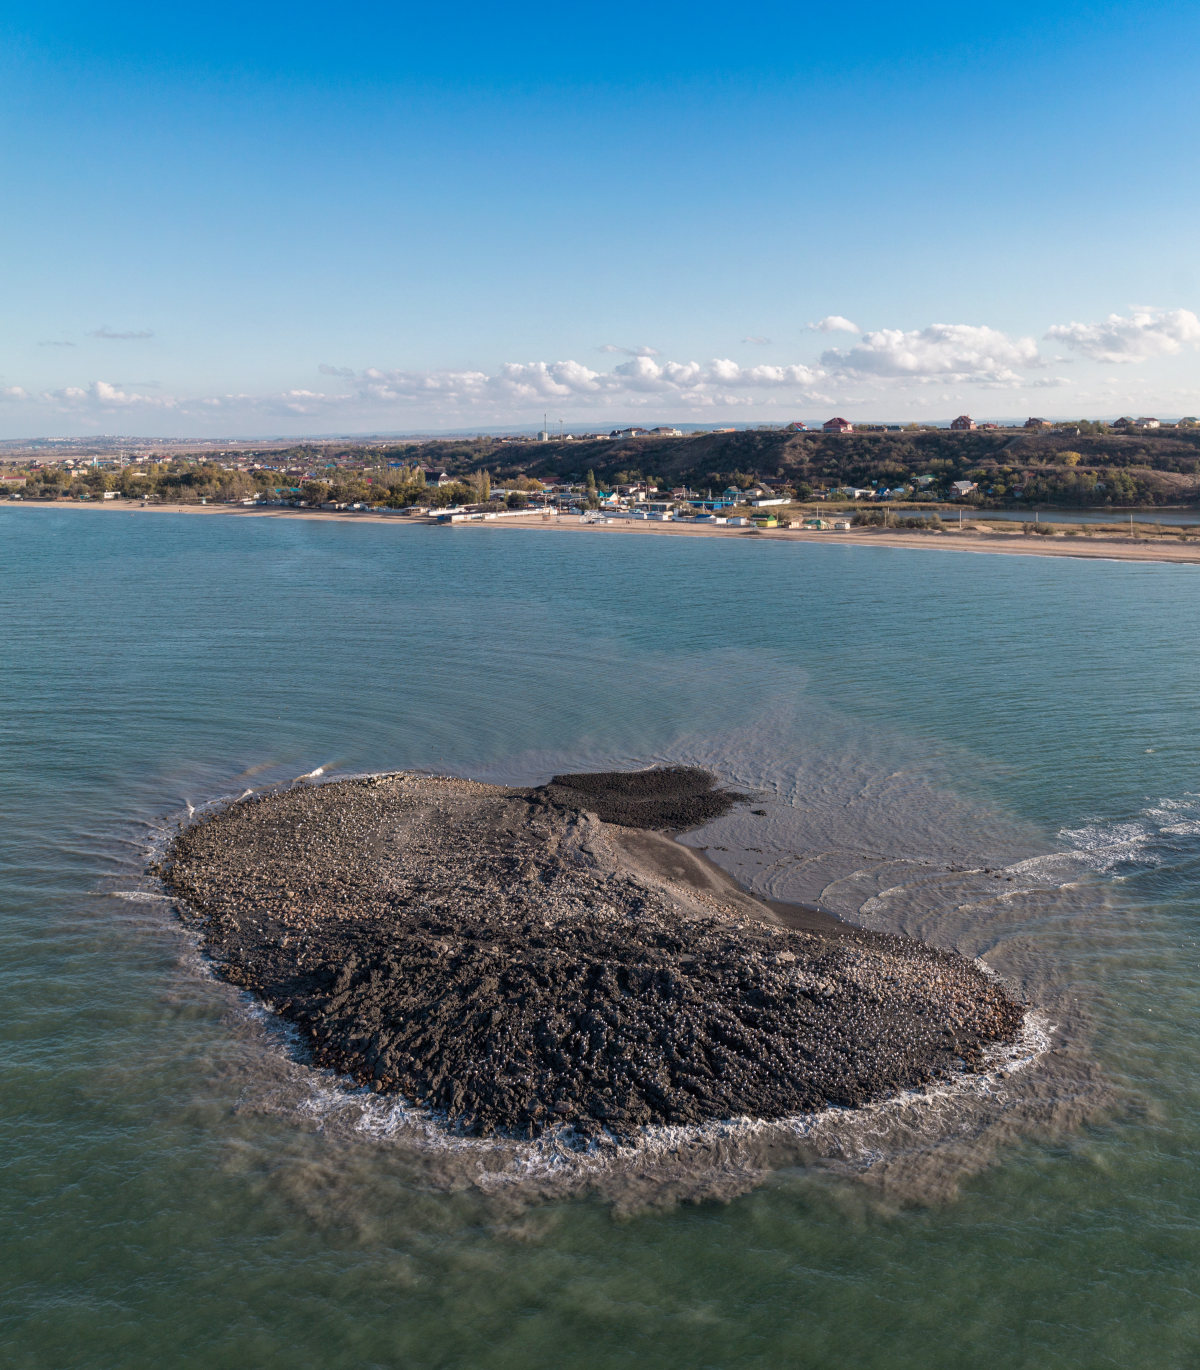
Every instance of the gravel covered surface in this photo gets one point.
(513, 961)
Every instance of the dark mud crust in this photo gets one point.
(668, 798)
(520, 965)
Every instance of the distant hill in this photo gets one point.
(1156, 467)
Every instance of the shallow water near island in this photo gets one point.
(995, 754)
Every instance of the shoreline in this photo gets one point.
(1082, 547)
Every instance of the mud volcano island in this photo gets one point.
(530, 959)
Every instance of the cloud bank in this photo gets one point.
(882, 368)
(1143, 334)
(955, 352)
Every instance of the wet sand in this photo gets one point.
(1086, 546)
(521, 966)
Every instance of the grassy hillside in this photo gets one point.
(1152, 468)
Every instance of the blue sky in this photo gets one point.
(260, 219)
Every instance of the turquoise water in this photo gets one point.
(998, 753)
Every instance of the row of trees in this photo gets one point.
(168, 481)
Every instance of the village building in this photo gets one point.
(838, 425)
(963, 424)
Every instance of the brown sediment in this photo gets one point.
(512, 960)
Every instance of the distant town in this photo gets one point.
(658, 473)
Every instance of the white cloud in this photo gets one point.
(640, 377)
(758, 342)
(1142, 334)
(105, 395)
(957, 352)
(835, 323)
(110, 335)
(628, 351)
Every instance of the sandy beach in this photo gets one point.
(1095, 547)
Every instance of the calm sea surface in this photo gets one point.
(997, 753)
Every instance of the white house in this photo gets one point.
(963, 487)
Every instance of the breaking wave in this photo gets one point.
(1162, 833)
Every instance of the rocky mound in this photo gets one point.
(514, 961)
(669, 798)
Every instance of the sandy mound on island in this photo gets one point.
(511, 960)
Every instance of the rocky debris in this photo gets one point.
(510, 959)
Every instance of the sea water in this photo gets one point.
(998, 754)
